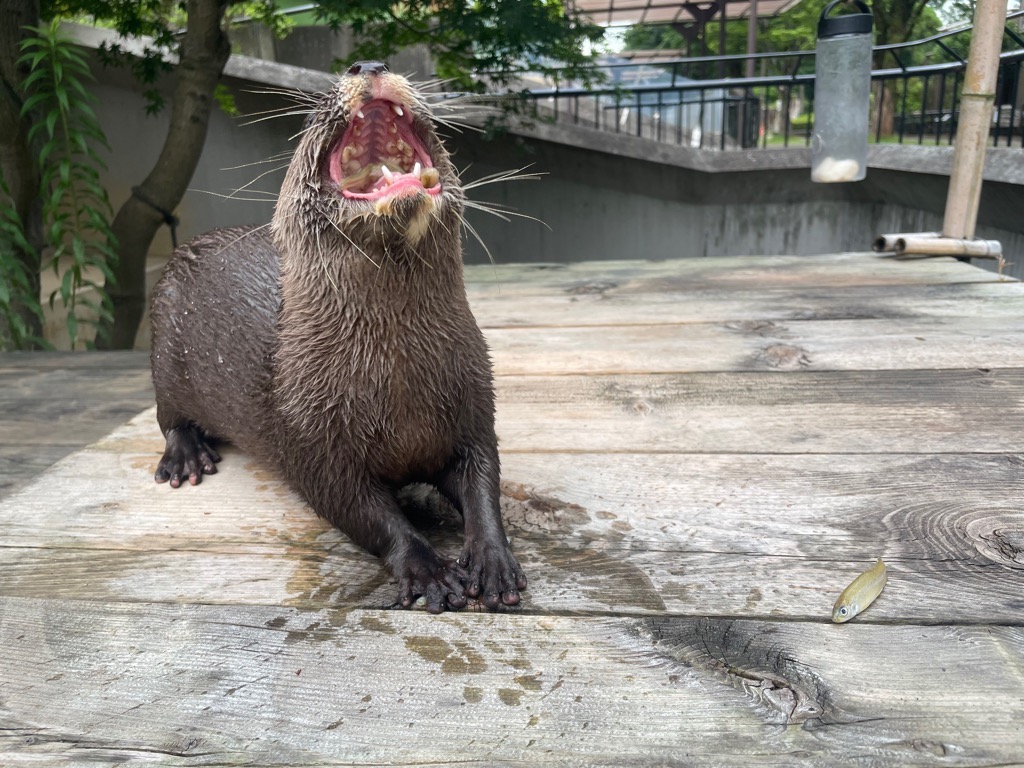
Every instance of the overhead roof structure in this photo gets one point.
(673, 11)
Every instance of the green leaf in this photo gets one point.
(51, 121)
(72, 328)
(31, 102)
(76, 208)
(65, 286)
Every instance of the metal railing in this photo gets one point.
(696, 102)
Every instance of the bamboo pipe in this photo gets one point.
(885, 243)
(947, 246)
(975, 116)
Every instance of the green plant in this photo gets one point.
(16, 283)
(76, 210)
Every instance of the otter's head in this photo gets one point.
(369, 168)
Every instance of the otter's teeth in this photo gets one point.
(360, 115)
(398, 110)
(430, 177)
(386, 173)
(416, 169)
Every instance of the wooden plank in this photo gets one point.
(647, 303)
(751, 535)
(735, 272)
(36, 362)
(952, 343)
(52, 403)
(765, 412)
(213, 685)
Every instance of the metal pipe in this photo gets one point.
(888, 242)
(975, 115)
(751, 37)
(948, 246)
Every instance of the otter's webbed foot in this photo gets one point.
(422, 573)
(187, 455)
(493, 573)
(471, 484)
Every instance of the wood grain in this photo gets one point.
(738, 272)
(638, 302)
(925, 411)
(697, 457)
(52, 403)
(837, 345)
(768, 535)
(206, 685)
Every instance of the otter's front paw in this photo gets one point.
(422, 573)
(494, 574)
(187, 455)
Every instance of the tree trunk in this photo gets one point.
(203, 53)
(17, 165)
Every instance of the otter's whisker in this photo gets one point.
(276, 111)
(241, 237)
(352, 242)
(290, 113)
(300, 97)
(272, 159)
(323, 262)
(265, 173)
(474, 233)
(502, 212)
(271, 196)
(516, 175)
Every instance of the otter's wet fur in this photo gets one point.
(339, 346)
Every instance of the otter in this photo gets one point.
(339, 346)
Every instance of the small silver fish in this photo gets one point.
(860, 594)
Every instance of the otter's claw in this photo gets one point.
(439, 582)
(187, 456)
(494, 574)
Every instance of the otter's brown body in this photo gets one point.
(340, 347)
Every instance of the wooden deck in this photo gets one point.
(697, 457)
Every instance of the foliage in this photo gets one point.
(16, 284)
(797, 29)
(162, 22)
(76, 210)
(490, 37)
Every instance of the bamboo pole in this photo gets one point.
(948, 246)
(975, 116)
(885, 243)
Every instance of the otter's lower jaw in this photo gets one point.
(409, 212)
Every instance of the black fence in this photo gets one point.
(706, 103)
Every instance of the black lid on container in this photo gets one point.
(848, 24)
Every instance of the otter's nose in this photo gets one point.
(368, 68)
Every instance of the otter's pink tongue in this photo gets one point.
(380, 155)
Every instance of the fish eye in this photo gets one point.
(843, 611)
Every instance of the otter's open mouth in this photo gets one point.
(381, 156)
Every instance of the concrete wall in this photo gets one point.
(604, 205)
(604, 196)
